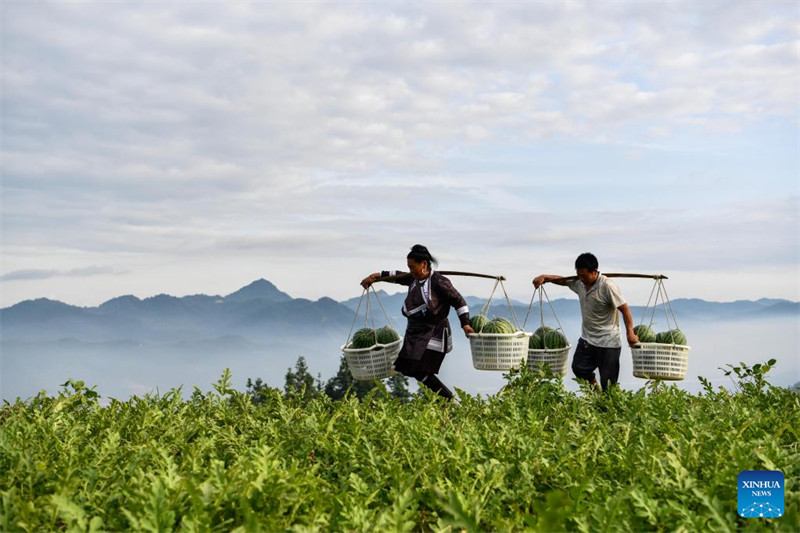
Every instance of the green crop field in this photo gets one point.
(534, 457)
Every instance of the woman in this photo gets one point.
(428, 338)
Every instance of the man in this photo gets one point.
(599, 346)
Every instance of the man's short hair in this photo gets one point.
(587, 261)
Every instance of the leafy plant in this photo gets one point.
(534, 457)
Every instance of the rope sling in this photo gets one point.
(499, 351)
(374, 362)
(485, 307)
(368, 314)
(660, 360)
(542, 294)
(553, 358)
(660, 292)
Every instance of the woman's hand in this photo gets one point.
(369, 280)
(468, 329)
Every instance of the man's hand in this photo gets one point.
(468, 330)
(632, 338)
(538, 280)
(627, 317)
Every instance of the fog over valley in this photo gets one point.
(130, 345)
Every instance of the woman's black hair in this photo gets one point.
(420, 253)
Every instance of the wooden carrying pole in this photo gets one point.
(405, 275)
(614, 275)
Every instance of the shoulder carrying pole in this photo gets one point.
(407, 275)
(615, 275)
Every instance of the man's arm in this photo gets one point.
(627, 317)
(541, 279)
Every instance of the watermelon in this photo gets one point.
(387, 335)
(542, 331)
(363, 338)
(673, 336)
(645, 333)
(535, 342)
(505, 324)
(492, 327)
(477, 322)
(499, 325)
(555, 340)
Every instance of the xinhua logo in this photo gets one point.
(760, 494)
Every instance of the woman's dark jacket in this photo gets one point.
(426, 306)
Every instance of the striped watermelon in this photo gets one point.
(477, 322)
(499, 325)
(535, 342)
(506, 324)
(542, 331)
(555, 340)
(363, 338)
(673, 336)
(387, 335)
(645, 333)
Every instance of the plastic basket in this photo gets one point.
(498, 351)
(557, 359)
(374, 362)
(654, 360)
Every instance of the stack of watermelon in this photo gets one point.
(672, 336)
(368, 337)
(547, 338)
(501, 325)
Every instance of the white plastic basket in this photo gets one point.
(374, 362)
(654, 360)
(498, 351)
(557, 359)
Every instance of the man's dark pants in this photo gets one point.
(587, 358)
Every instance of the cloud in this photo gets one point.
(39, 274)
(316, 87)
(148, 134)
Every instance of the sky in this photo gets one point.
(185, 148)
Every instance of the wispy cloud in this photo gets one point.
(178, 136)
(38, 274)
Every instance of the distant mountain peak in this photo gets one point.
(125, 302)
(260, 289)
(125, 298)
(163, 297)
(42, 303)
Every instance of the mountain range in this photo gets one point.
(130, 345)
(260, 312)
(253, 311)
